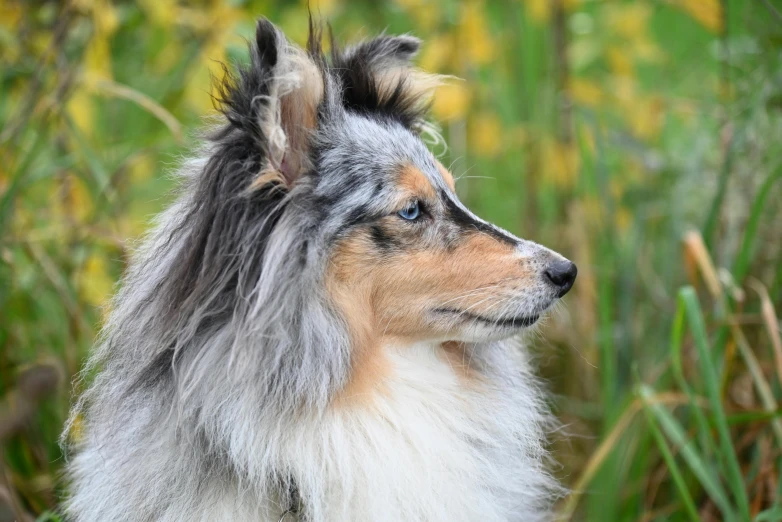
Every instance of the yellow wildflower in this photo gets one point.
(538, 10)
(486, 134)
(451, 101)
(96, 283)
(437, 53)
(646, 50)
(629, 20)
(105, 17)
(707, 12)
(647, 118)
(160, 12)
(72, 200)
(425, 12)
(585, 92)
(141, 169)
(476, 39)
(619, 61)
(10, 14)
(560, 162)
(80, 108)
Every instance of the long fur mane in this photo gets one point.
(210, 389)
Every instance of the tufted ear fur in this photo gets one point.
(274, 103)
(378, 77)
(386, 51)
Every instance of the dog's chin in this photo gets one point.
(472, 327)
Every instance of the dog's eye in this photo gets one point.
(411, 212)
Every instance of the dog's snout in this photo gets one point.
(562, 273)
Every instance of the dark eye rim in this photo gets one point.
(419, 211)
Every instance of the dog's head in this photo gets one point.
(336, 142)
(401, 256)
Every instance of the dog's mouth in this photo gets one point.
(522, 321)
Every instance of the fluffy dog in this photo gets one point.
(318, 329)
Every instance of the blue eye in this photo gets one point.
(411, 211)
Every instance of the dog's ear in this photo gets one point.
(274, 103)
(386, 51)
(296, 93)
(378, 77)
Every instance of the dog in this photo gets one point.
(318, 329)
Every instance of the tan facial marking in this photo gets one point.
(447, 176)
(352, 294)
(412, 180)
(370, 365)
(466, 277)
(388, 298)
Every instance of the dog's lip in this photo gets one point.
(521, 321)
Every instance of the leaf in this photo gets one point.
(608, 444)
(677, 336)
(697, 463)
(709, 373)
(678, 479)
(773, 514)
(118, 90)
(741, 266)
(48, 516)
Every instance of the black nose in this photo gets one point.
(562, 274)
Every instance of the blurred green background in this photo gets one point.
(642, 139)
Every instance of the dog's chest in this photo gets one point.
(429, 445)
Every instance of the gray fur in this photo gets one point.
(217, 367)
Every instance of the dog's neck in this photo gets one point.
(444, 424)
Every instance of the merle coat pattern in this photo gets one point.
(237, 378)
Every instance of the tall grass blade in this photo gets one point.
(609, 443)
(761, 384)
(744, 256)
(771, 322)
(677, 336)
(20, 173)
(696, 462)
(712, 383)
(712, 220)
(670, 461)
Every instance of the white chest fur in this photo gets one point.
(429, 447)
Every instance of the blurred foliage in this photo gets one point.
(642, 139)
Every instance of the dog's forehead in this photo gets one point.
(362, 152)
